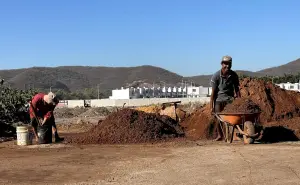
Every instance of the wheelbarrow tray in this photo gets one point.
(238, 118)
(234, 120)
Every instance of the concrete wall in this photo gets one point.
(135, 102)
(75, 103)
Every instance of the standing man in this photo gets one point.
(52, 120)
(225, 87)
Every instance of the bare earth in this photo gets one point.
(169, 163)
(181, 162)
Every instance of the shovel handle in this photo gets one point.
(34, 114)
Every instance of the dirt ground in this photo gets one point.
(180, 162)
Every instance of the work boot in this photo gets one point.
(57, 138)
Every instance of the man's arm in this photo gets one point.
(213, 96)
(46, 117)
(237, 86)
(212, 100)
(34, 120)
(49, 114)
(33, 104)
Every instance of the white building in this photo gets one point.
(194, 92)
(164, 92)
(290, 86)
(177, 92)
(127, 93)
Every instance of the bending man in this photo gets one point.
(41, 111)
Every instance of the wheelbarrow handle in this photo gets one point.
(217, 116)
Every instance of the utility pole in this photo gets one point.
(50, 86)
(98, 91)
(153, 90)
(185, 88)
(182, 88)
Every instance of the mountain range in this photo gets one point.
(72, 78)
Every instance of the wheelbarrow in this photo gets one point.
(243, 122)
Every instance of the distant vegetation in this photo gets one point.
(13, 108)
(276, 79)
(86, 93)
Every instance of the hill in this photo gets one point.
(72, 78)
(289, 68)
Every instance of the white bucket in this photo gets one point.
(24, 135)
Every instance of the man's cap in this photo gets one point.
(226, 58)
(50, 98)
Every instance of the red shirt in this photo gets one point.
(42, 109)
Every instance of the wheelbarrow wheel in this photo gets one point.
(249, 129)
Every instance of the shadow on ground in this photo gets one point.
(275, 134)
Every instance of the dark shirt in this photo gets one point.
(225, 86)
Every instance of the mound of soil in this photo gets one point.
(242, 105)
(149, 109)
(129, 126)
(200, 124)
(275, 103)
(170, 111)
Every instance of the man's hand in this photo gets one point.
(212, 110)
(43, 121)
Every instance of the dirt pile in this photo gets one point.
(129, 126)
(242, 105)
(170, 111)
(275, 103)
(149, 109)
(199, 125)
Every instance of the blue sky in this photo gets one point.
(188, 37)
